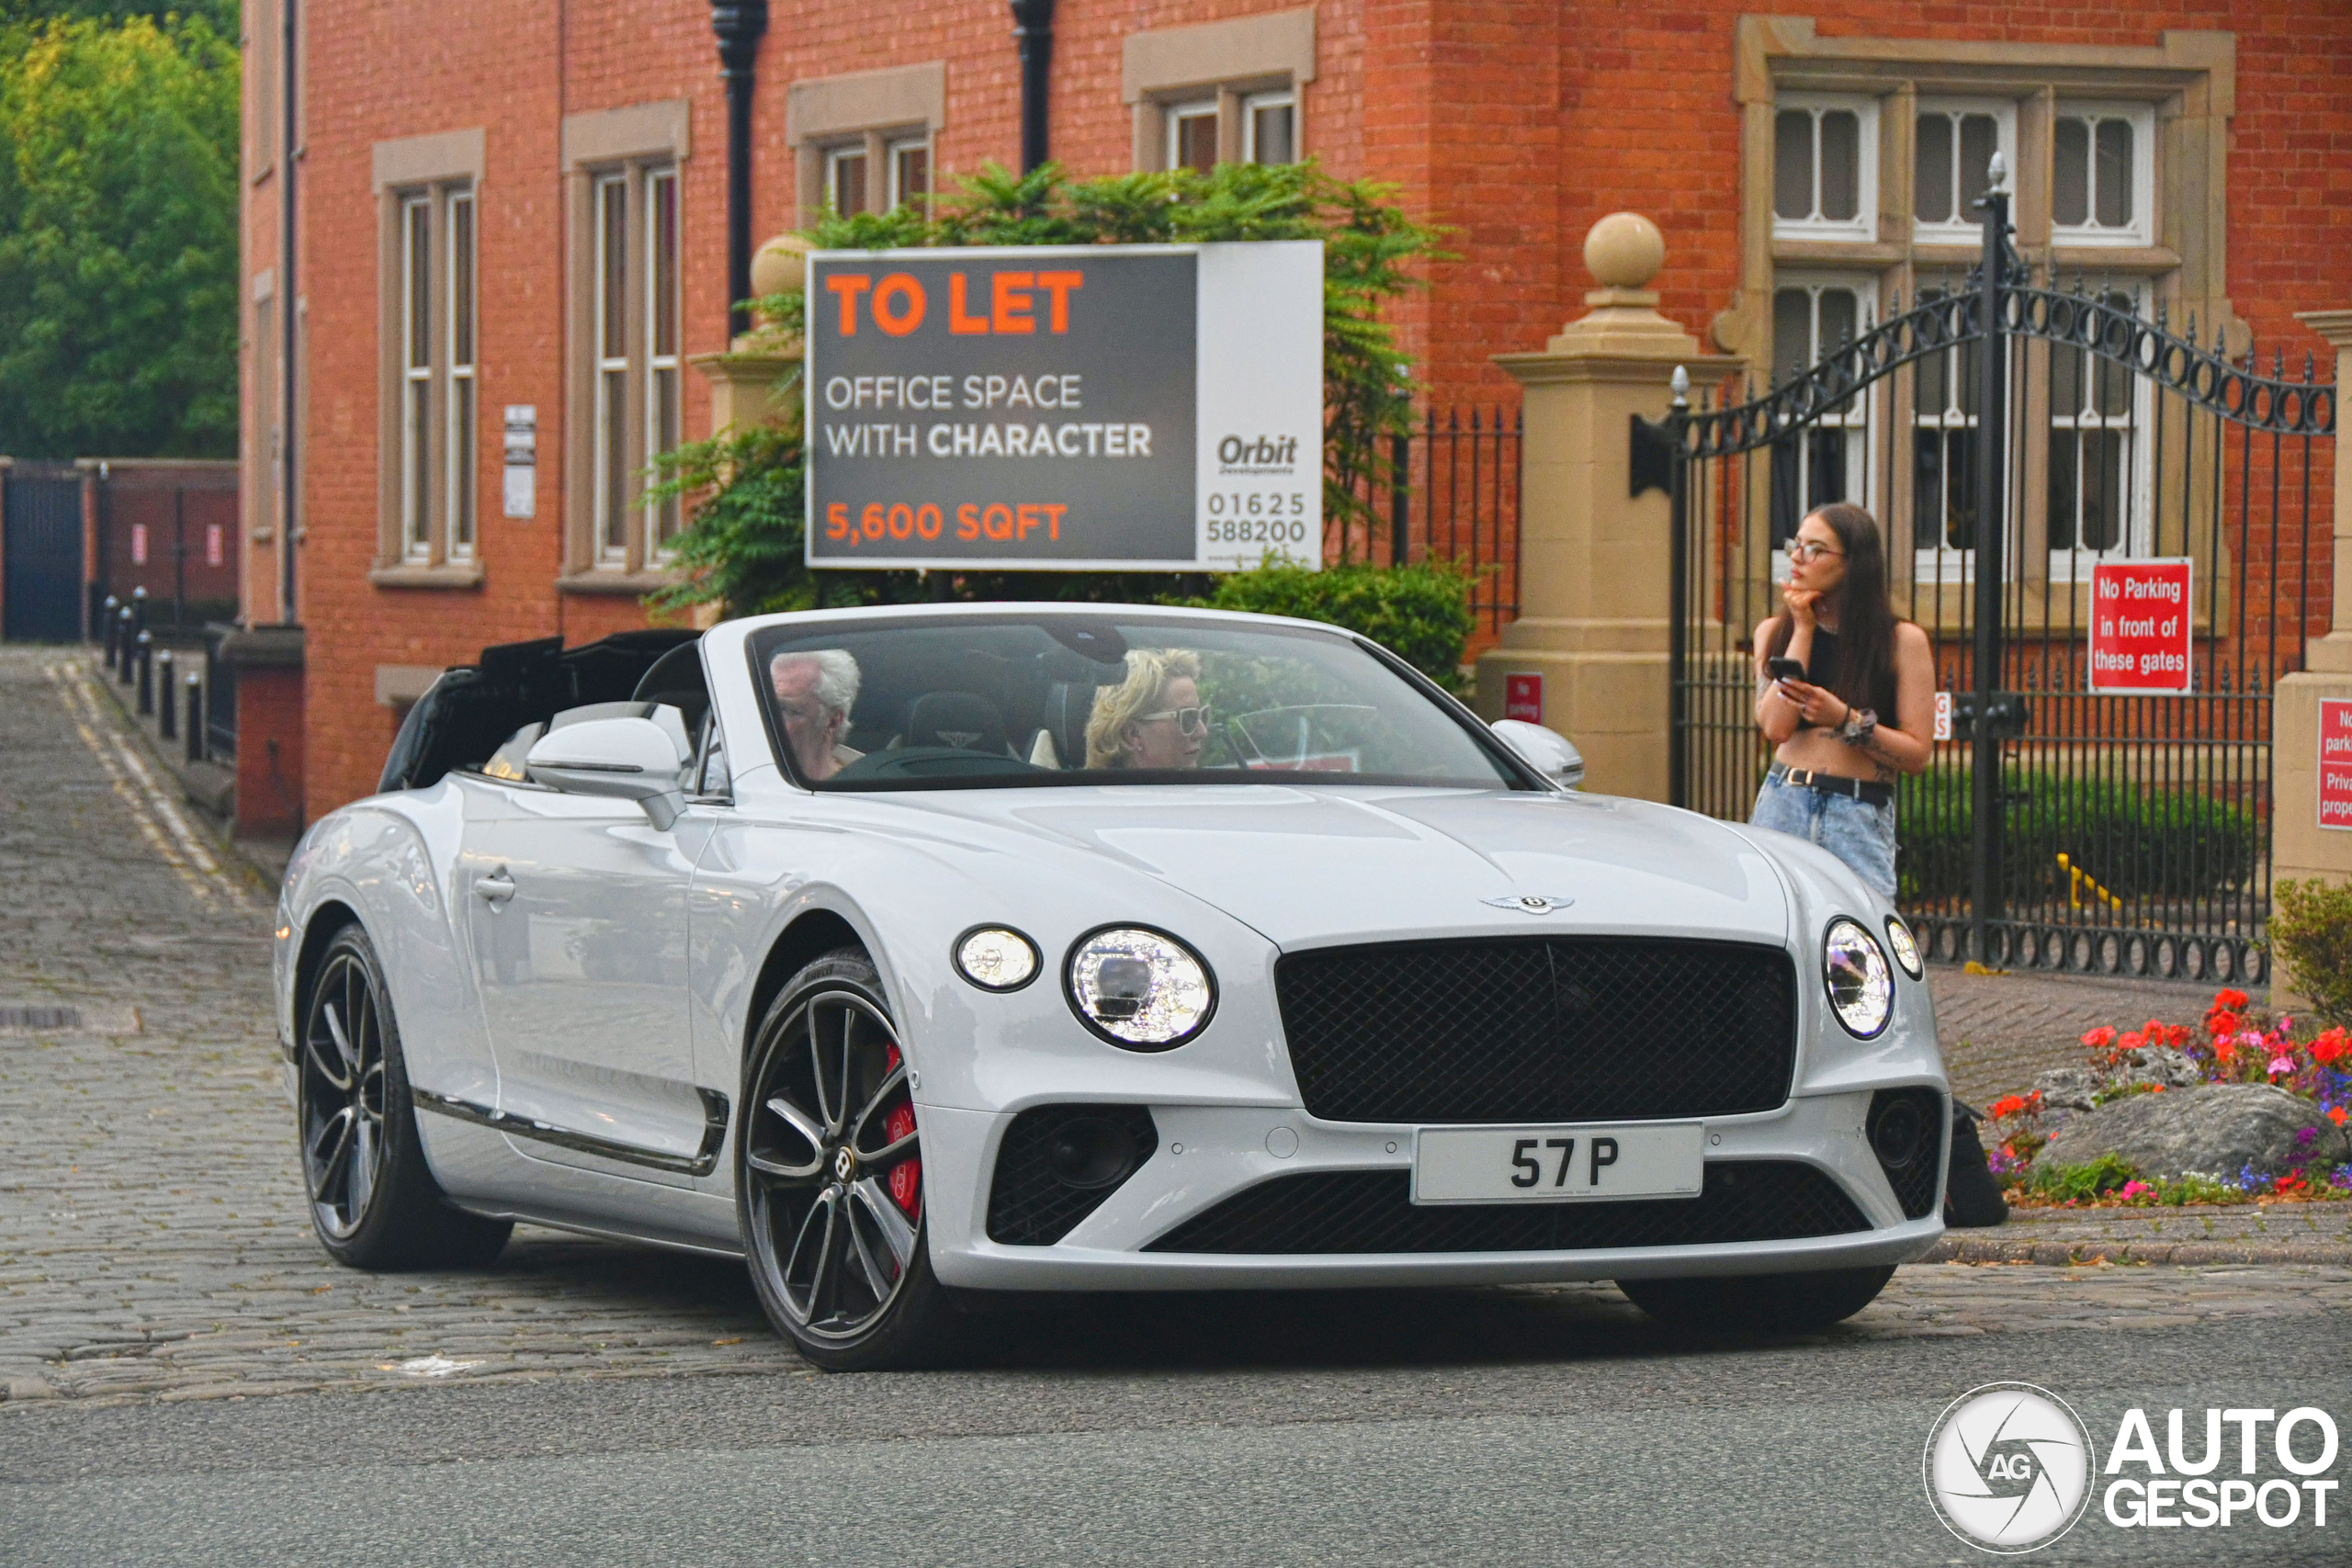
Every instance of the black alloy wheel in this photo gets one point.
(829, 1177)
(373, 1202)
(1760, 1303)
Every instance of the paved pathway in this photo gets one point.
(153, 1245)
(1998, 1031)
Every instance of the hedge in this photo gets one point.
(2136, 842)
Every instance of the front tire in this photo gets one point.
(829, 1178)
(373, 1201)
(1778, 1303)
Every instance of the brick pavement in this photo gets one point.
(1998, 1031)
(152, 1240)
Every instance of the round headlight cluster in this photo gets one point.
(996, 959)
(1138, 989)
(1861, 987)
(1906, 952)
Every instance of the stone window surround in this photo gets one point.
(635, 140)
(873, 109)
(1230, 60)
(2187, 78)
(444, 161)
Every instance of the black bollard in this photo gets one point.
(124, 632)
(168, 711)
(138, 607)
(194, 718)
(106, 627)
(146, 673)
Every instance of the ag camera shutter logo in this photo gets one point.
(2008, 1467)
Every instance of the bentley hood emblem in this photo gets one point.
(1529, 903)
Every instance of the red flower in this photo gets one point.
(2331, 1047)
(2007, 1105)
(2234, 1001)
(2219, 1022)
(2336, 1114)
(2100, 1039)
(2133, 1041)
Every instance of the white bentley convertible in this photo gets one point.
(917, 954)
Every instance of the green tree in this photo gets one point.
(744, 546)
(117, 236)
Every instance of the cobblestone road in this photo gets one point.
(152, 1242)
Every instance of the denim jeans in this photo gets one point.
(1857, 832)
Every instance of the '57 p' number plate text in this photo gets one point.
(1557, 1164)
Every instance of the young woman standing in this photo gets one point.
(1856, 707)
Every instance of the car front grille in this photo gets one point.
(1372, 1210)
(1575, 1029)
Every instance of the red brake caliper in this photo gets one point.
(906, 1176)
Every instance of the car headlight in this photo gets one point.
(1139, 989)
(996, 958)
(1861, 988)
(1906, 952)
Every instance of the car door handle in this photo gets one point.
(497, 890)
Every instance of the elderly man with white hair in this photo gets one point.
(815, 689)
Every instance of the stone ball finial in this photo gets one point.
(1625, 250)
(780, 266)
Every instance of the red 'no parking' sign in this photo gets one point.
(2140, 626)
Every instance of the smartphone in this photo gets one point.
(1785, 669)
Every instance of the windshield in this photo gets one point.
(967, 702)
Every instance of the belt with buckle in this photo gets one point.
(1832, 783)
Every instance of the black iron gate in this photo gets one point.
(2010, 433)
(40, 554)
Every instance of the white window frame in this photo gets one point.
(462, 412)
(2140, 230)
(1172, 116)
(416, 378)
(1937, 562)
(1860, 411)
(1863, 225)
(663, 385)
(1962, 229)
(2139, 453)
(890, 153)
(834, 158)
(1288, 98)
(606, 507)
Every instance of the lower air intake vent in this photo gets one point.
(1372, 1210)
(1056, 1165)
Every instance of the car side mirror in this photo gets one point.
(1548, 751)
(625, 759)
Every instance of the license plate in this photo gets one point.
(1557, 1164)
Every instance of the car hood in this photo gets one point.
(1310, 867)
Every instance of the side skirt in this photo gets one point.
(702, 1162)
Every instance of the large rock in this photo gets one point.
(2216, 1130)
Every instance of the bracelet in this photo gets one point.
(1859, 726)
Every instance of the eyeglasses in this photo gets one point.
(1189, 721)
(1810, 550)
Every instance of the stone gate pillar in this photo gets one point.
(1594, 560)
(2300, 846)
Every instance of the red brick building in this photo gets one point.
(524, 206)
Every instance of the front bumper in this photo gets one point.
(1206, 1155)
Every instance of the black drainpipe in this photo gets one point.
(289, 317)
(1032, 31)
(739, 25)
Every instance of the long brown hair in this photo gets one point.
(1866, 617)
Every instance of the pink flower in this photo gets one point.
(2134, 1188)
(2281, 1065)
